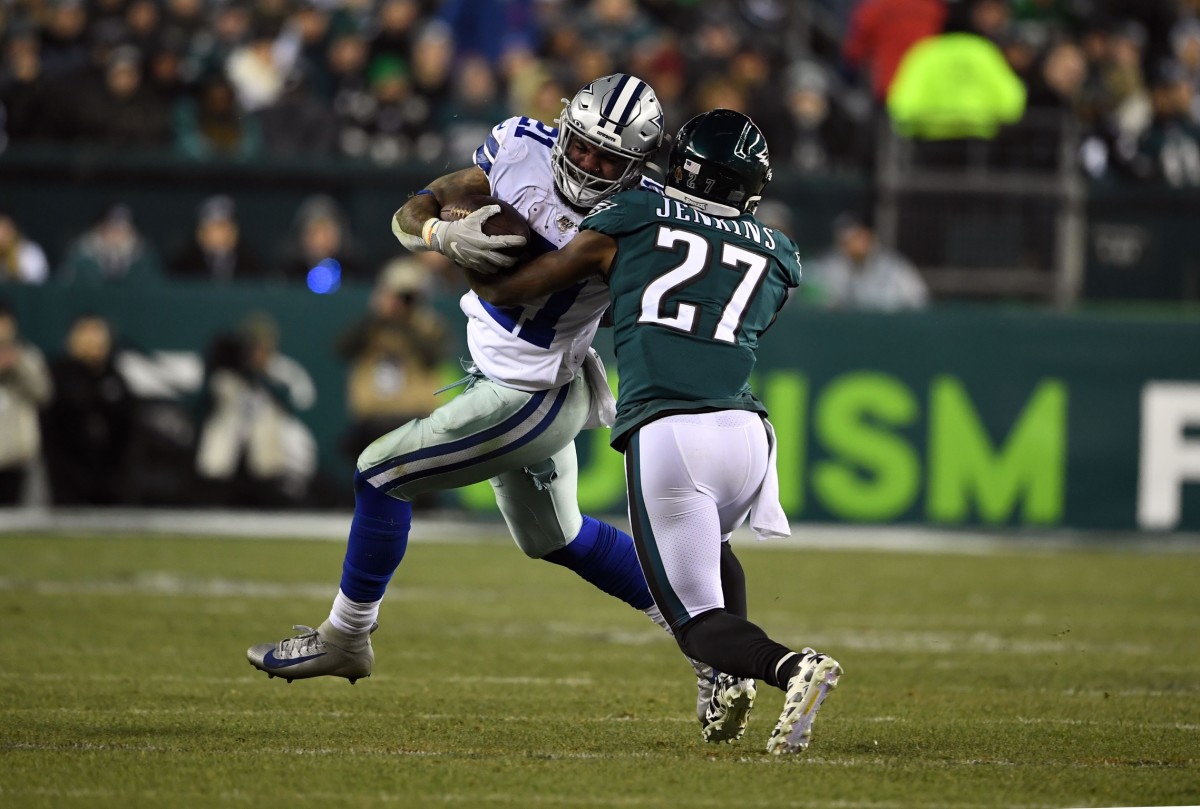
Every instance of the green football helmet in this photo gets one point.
(719, 163)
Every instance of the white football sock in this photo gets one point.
(655, 615)
(354, 617)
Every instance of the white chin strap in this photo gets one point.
(703, 205)
(578, 194)
(572, 190)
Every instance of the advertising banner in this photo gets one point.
(953, 417)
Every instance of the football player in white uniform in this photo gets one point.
(535, 384)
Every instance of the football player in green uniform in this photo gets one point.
(695, 280)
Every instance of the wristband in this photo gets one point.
(427, 231)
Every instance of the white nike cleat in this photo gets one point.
(723, 703)
(320, 652)
(728, 709)
(817, 676)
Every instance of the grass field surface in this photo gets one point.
(1017, 679)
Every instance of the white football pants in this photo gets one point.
(692, 479)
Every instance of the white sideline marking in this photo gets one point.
(451, 527)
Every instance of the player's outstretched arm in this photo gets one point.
(588, 255)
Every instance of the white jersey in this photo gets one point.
(542, 344)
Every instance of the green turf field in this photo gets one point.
(1027, 679)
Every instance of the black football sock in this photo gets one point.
(733, 582)
(733, 645)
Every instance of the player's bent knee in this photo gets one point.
(540, 521)
(537, 542)
(536, 534)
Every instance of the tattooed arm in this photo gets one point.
(408, 222)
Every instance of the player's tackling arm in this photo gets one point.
(420, 208)
(587, 255)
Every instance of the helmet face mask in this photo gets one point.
(719, 164)
(615, 119)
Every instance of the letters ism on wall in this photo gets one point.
(864, 465)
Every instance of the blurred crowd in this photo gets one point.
(399, 80)
(383, 80)
(91, 424)
(319, 250)
(1124, 73)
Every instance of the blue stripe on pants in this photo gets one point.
(526, 425)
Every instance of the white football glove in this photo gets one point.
(464, 242)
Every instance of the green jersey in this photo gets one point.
(691, 295)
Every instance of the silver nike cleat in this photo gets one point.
(321, 652)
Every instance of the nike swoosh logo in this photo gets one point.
(271, 661)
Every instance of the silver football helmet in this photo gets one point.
(620, 115)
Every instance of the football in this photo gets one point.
(508, 222)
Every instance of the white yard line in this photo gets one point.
(951, 641)
(309, 796)
(165, 583)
